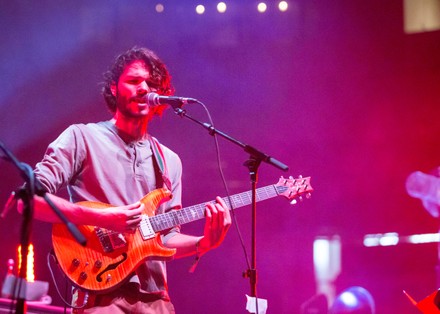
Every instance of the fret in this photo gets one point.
(245, 198)
(192, 213)
(162, 221)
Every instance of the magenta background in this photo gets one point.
(334, 89)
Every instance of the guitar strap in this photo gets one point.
(160, 166)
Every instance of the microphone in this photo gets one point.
(154, 99)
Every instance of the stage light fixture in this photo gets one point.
(283, 6)
(327, 264)
(221, 7)
(262, 7)
(159, 8)
(354, 300)
(200, 9)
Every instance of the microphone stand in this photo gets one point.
(26, 194)
(254, 161)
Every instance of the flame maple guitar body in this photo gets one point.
(103, 264)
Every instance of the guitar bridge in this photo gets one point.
(110, 240)
(146, 229)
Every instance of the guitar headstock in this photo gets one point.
(293, 188)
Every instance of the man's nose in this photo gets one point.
(143, 88)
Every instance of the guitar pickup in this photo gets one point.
(146, 229)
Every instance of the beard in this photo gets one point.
(133, 107)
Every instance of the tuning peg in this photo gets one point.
(293, 202)
(308, 195)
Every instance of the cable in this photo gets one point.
(67, 304)
(237, 228)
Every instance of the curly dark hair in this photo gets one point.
(158, 71)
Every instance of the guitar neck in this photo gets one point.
(185, 215)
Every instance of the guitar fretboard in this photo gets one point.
(188, 214)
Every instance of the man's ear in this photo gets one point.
(113, 89)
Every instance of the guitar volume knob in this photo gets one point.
(83, 276)
(98, 264)
(75, 262)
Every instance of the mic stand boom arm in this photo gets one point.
(254, 153)
(256, 157)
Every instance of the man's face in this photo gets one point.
(131, 89)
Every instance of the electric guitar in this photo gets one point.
(110, 257)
